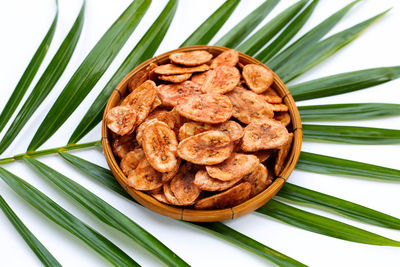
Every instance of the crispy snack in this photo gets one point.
(141, 100)
(121, 145)
(232, 128)
(258, 179)
(167, 176)
(171, 69)
(249, 106)
(282, 154)
(208, 148)
(121, 120)
(156, 103)
(192, 58)
(140, 130)
(229, 58)
(200, 78)
(236, 166)
(159, 195)
(189, 129)
(170, 94)
(210, 108)
(169, 195)
(159, 145)
(263, 155)
(205, 182)
(141, 76)
(183, 188)
(257, 78)
(283, 117)
(279, 107)
(226, 199)
(178, 78)
(271, 96)
(144, 177)
(221, 80)
(131, 161)
(266, 134)
(173, 119)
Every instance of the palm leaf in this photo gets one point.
(107, 214)
(322, 225)
(330, 165)
(66, 220)
(255, 42)
(287, 34)
(37, 247)
(144, 49)
(322, 50)
(47, 81)
(303, 195)
(343, 83)
(207, 30)
(90, 71)
(309, 39)
(28, 75)
(341, 112)
(241, 30)
(105, 178)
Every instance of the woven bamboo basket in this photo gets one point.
(188, 214)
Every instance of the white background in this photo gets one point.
(23, 25)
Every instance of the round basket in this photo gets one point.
(193, 215)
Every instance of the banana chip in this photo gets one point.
(141, 76)
(183, 188)
(192, 58)
(171, 69)
(121, 120)
(228, 58)
(159, 195)
(200, 78)
(263, 155)
(121, 145)
(232, 128)
(169, 195)
(221, 80)
(167, 176)
(259, 179)
(205, 182)
(170, 94)
(257, 78)
(279, 107)
(144, 177)
(131, 161)
(271, 96)
(175, 78)
(283, 117)
(282, 154)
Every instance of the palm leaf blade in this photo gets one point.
(145, 49)
(90, 71)
(240, 31)
(66, 220)
(207, 30)
(330, 165)
(323, 225)
(37, 247)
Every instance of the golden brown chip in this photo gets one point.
(159, 195)
(183, 188)
(208, 148)
(171, 69)
(258, 179)
(249, 106)
(170, 94)
(175, 78)
(121, 120)
(229, 58)
(192, 128)
(271, 96)
(257, 78)
(144, 177)
(131, 161)
(279, 107)
(169, 195)
(236, 166)
(210, 108)
(282, 155)
(159, 145)
(207, 183)
(140, 130)
(263, 155)
(266, 134)
(283, 117)
(221, 80)
(121, 145)
(200, 78)
(141, 76)
(156, 103)
(229, 198)
(141, 100)
(232, 128)
(192, 58)
(167, 176)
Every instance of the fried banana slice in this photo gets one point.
(192, 58)
(200, 78)
(145, 177)
(167, 176)
(279, 107)
(271, 96)
(207, 183)
(282, 155)
(159, 145)
(170, 94)
(236, 166)
(159, 195)
(131, 161)
(183, 188)
(169, 195)
(141, 100)
(232, 128)
(283, 117)
(266, 134)
(175, 78)
(156, 103)
(121, 120)
(221, 80)
(208, 148)
(210, 108)
(259, 179)
(171, 69)
(228, 58)
(229, 198)
(121, 145)
(249, 106)
(263, 155)
(257, 78)
(141, 76)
